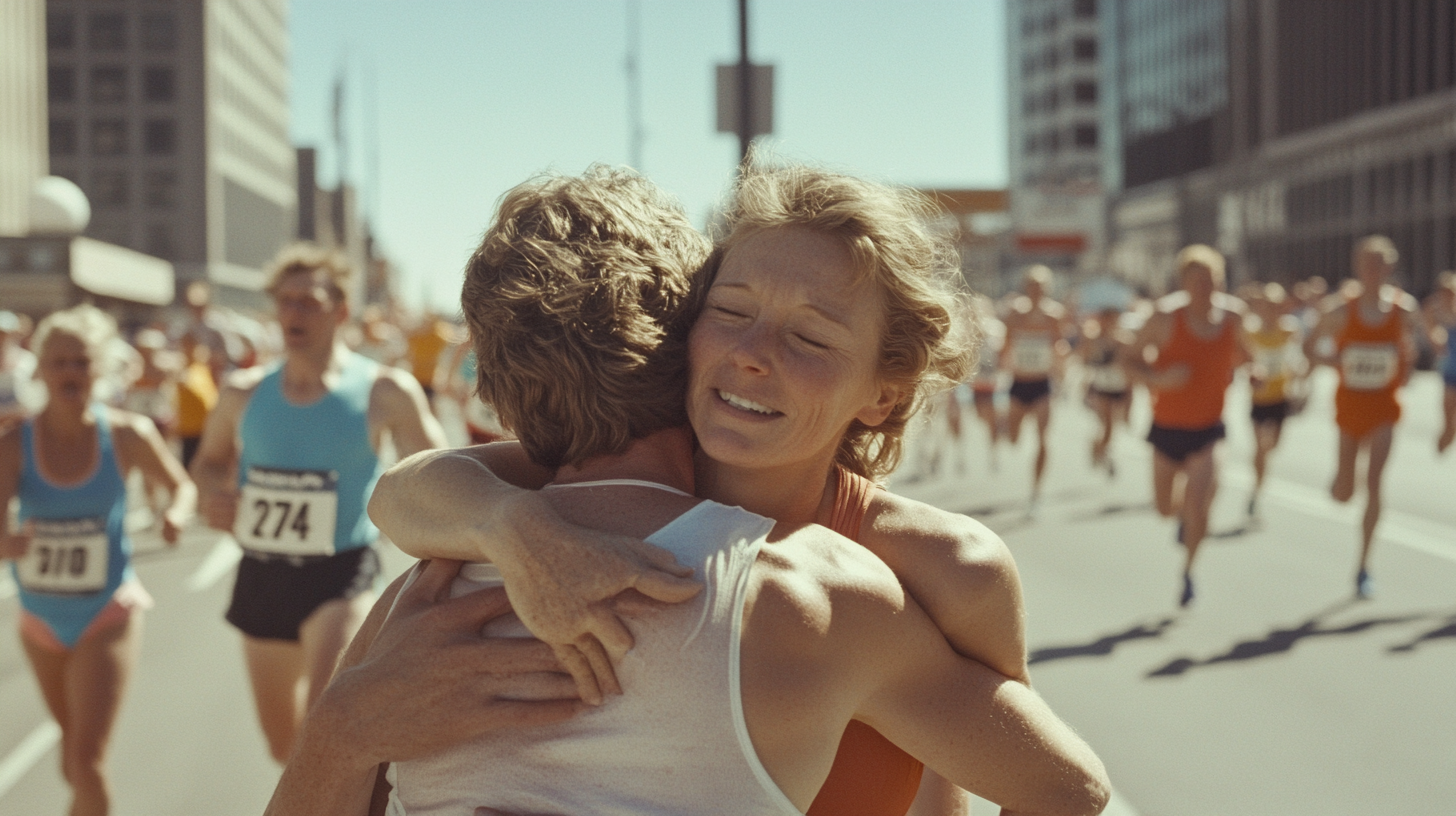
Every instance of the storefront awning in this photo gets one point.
(113, 271)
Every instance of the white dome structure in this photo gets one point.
(58, 207)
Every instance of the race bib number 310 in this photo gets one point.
(66, 557)
(288, 512)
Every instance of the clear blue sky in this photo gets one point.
(472, 97)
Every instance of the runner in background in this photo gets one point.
(1195, 334)
(426, 344)
(1036, 328)
(1109, 393)
(457, 380)
(987, 380)
(380, 340)
(196, 395)
(287, 462)
(17, 371)
(1373, 333)
(1440, 312)
(81, 618)
(154, 395)
(1273, 337)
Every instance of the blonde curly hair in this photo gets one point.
(930, 336)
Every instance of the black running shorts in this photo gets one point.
(1029, 392)
(273, 597)
(1179, 444)
(1275, 412)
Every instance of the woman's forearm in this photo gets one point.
(451, 504)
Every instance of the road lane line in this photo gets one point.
(224, 556)
(7, 585)
(1430, 537)
(27, 753)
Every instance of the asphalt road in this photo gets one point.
(1275, 694)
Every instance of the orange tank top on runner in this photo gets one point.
(1373, 364)
(1198, 404)
(871, 775)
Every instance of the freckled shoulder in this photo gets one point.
(807, 572)
(899, 529)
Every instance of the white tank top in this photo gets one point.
(675, 742)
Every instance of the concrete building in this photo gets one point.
(172, 116)
(1055, 98)
(44, 265)
(978, 222)
(1282, 130)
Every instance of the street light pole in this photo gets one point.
(745, 85)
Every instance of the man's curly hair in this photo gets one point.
(577, 302)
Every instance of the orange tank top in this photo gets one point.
(871, 775)
(1373, 364)
(1198, 403)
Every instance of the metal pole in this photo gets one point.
(634, 85)
(745, 85)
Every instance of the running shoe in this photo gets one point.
(1364, 585)
(1187, 597)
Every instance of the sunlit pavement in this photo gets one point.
(1276, 692)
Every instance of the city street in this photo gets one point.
(1274, 694)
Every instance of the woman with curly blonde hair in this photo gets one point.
(829, 312)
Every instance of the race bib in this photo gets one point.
(1369, 366)
(1109, 379)
(66, 557)
(1031, 355)
(288, 512)
(1273, 362)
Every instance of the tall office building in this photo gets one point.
(172, 116)
(1281, 131)
(1055, 97)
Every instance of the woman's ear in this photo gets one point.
(885, 401)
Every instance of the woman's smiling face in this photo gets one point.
(785, 353)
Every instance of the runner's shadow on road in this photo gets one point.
(1102, 646)
(1283, 640)
(1440, 632)
(1115, 509)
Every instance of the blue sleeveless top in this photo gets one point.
(96, 506)
(329, 436)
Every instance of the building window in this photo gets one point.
(63, 137)
(159, 84)
(108, 137)
(1084, 8)
(109, 188)
(1085, 92)
(1085, 136)
(107, 31)
(61, 83)
(1084, 49)
(60, 31)
(1032, 143)
(159, 240)
(159, 189)
(159, 31)
(159, 137)
(108, 83)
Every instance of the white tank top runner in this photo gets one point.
(674, 743)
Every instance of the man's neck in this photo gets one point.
(310, 366)
(664, 457)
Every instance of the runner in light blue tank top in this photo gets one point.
(298, 461)
(81, 552)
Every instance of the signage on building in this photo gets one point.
(1061, 219)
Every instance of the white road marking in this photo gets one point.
(8, 589)
(27, 753)
(224, 556)
(1430, 537)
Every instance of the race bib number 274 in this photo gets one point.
(288, 512)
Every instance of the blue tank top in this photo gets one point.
(81, 552)
(306, 468)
